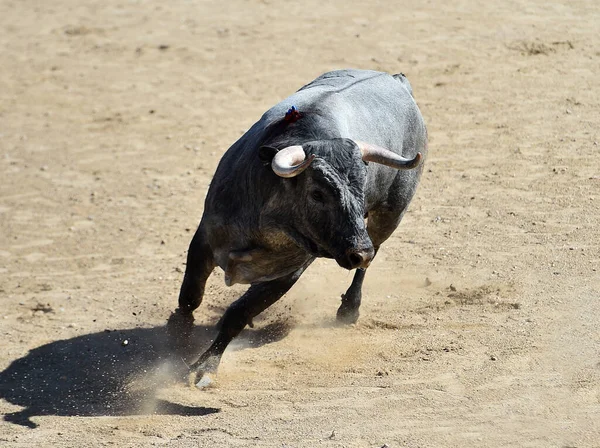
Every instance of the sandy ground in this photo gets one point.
(480, 323)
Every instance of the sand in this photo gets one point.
(480, 324)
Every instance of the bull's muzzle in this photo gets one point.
(357, 258)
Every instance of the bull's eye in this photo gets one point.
(317, 196)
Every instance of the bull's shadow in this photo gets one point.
(92, 375)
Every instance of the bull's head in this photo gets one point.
(329, 205)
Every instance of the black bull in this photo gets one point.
(299, 185)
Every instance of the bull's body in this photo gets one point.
(264, 230)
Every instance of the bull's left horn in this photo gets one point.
(377, 154)
(291, 161)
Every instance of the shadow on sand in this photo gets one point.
(92, 375)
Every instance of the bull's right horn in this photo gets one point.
(377, 154)
(291, 161)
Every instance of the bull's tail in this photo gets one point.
(404, 81)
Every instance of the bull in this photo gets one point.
(328, 172)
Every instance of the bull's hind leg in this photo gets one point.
(239, 314)
(199, 266)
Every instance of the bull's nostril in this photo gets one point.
(356, 259)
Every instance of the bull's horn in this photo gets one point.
(377, 154)
(291, 161)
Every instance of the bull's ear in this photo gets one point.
(266, 154)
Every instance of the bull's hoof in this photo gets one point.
(347, 315)
(179, 329)
(202, 380)
(203, 373)
(180, 324)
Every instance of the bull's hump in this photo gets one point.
(340, 80)
(330, 92)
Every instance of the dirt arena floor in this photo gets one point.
(480, 324)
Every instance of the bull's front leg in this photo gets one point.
(348, 312)
(200, 263)
(239, 314)
(381, 224)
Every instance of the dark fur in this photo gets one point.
(265, 230)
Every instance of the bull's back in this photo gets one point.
(360, 104)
